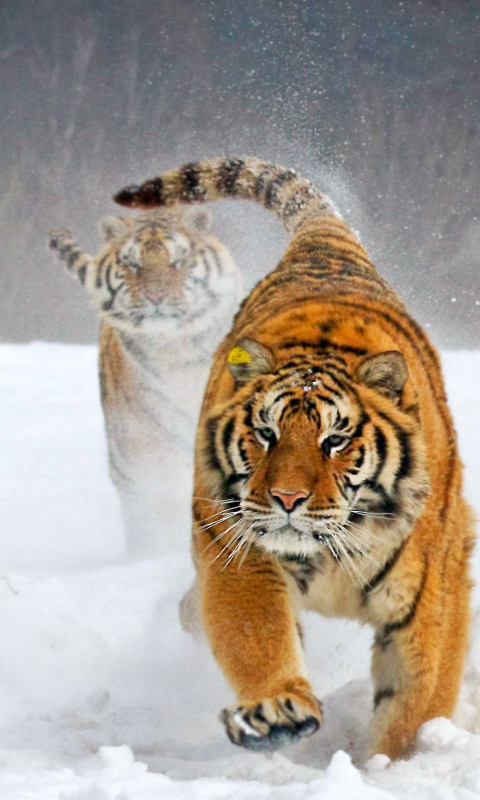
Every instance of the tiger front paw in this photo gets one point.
(57, 239)
(274, 722)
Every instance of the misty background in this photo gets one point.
(376, 101)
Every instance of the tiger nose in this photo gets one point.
(289, 499)
(154, 296)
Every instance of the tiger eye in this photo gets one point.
(266, 436)
(333, 441)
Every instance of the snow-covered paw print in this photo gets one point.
(273, 723)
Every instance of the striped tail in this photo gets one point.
(292, 198)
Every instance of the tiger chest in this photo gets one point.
(324, 586)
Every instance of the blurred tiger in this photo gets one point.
(165, 290)
(327, 476)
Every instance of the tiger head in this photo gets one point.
(315, 452)
(155, 269)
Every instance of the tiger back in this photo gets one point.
(165, 290)
(327, 476)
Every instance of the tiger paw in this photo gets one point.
(58, 238)
(273, 723)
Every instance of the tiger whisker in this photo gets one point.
(378, 515)
(219, 512)
(353, 571)
(228, 529)
(220, 553)
(343, 565)
(218, 521)
(211, 500)
(368, 534)
(360, 543)
(235, 552)
(346, 563)
(222, 534)
(238, 550)
(247, 550)
(219, 537)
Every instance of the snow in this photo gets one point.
(103, 696)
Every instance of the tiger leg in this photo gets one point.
(417, 668)
(250, 622)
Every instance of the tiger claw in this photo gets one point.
(271, 724)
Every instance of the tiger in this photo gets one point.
(165, 290)
(327, 476)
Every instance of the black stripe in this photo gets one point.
(297, 343)
(382, 450)
(243, 453)
(82, 272)
(325, 399)
(403, 438)
(215, 257)
(277, 182)
(293, 364)
(361, 457)
(334, 380)
(99, 278)
(149, 193)
(290, 408)
(384, 637)
(406, 458)
(312, 412)
(191, 182)
(208, 270)
(388, 506)
(109, 303)
(359, 429)
(210, 450)
(387, 567)
(227, 436)
(69, 254)
(282, 395)
(341, 487)
(228, 175)
(300, 633)
(248, 409)
(382, 694)
(326, 344)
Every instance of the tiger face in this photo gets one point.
(320, 458)
(156, 268)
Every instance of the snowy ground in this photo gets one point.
(102, 695)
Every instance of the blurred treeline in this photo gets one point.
(377, 101)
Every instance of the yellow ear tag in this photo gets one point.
(238, 356)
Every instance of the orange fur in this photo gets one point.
(327, 477)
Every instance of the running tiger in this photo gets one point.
(165, 290)
(327, 476)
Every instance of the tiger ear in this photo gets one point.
(112, 227)
(386, 373)
(199, 220)
(248, 359)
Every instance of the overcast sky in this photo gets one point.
(378, 102)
